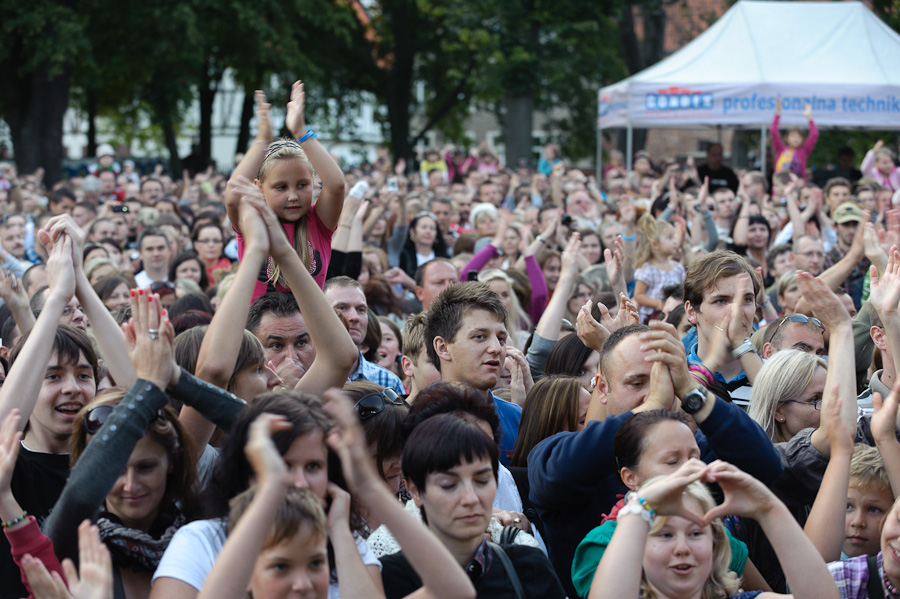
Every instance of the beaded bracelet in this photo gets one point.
(309, 133)
(642, 501)
(16, 521)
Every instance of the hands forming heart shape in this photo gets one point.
(744, 495)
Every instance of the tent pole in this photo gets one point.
(719, 128)
(629, 150)
(762, 150)
(599, 173)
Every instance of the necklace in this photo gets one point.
(892, 591)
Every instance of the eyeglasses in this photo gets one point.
(95, 418)
(817, 404)
(162, 287)
(803, 318)
(375, 403)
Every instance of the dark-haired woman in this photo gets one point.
(209, 243)
(451, 469)
(188, 265)
(571, 357)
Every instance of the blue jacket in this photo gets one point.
(574, 479)
(510, 414)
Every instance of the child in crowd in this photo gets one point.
(284, 174)
(432, 162)
(879, 165)
(792, 157)
(655, 267)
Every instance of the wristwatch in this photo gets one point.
(694, 401)
(744, 348)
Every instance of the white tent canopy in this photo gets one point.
(837, 56)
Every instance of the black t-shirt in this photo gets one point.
(37, 482)
(721, 177)
(534, 570)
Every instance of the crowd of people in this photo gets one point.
(451, 378)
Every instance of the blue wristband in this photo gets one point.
(309, 133)
(632, 238)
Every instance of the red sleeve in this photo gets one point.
(29, 539)
(812, 138)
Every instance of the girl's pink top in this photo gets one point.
(891, 181)
(794, 159)
(318, 245)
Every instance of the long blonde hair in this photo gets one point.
(649, 232)
(288, 149)
(784, 377)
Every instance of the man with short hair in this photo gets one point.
(836, 192)
(487, 192)
(719, 174)
(151, 190)
(725, 211)
(433, 277)
(83, 213)
(809, 254)
(35, 278)
(276, 321)
(108, 191)
(101, 229)
(796, 331)
(416, 364)
(155, 256)
(574, 479)
(755, 186)
(716, 287)
(347, 298)
(61, 201)
(466, 325)
(847, 221)
(779, 260)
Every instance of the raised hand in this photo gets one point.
(744, 495)
(60, 267)
(267, 463)
(669, 350)
(807, 112)
(778, 106)
(571, 253)
(661, 395)
(263, 124)
(295, 120)
(884, 419)
(614, 261)
(518, 359)
(150, 338)
(592, 333)
(348, 440)
(64, 224)
(95, 581)
(253, 227)
(884, 292)
(841, 434)
(825, 305)
(667, 497)
(279, 246)
(627, 314)
(739, 328)
(12, 291)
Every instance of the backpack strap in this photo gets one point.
(873, 586)
(510, 570)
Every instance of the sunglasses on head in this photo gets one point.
(95, 418)
(375, 403)
(803, 318)
(162, 287)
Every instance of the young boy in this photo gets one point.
(416, 365)
(869, 499)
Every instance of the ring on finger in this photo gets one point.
(153, 333)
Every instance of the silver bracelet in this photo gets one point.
(744, 348)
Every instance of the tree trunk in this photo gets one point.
(171, 145)
(398, 85)
(518, 126)
(243, 139)
(207, 88)
(92, 124)
(34, 106)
